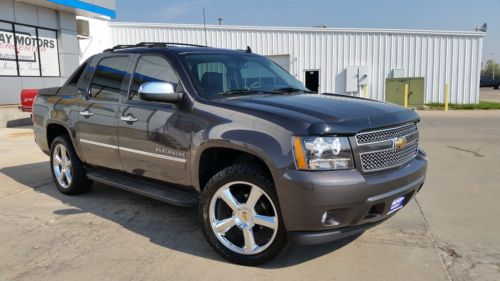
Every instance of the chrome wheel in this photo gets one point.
(61, 165)
(243, 217)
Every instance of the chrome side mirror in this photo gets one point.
(159, 91)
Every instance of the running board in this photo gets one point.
(153, 190)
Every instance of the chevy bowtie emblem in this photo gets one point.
(400, 143)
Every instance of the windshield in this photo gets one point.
(223, 75)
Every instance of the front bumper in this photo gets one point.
(356, 200)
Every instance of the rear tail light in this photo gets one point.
(27, 99)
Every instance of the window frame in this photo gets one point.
(14, 33)
(135, 63)
(94, 65)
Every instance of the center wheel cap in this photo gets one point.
(245, 217)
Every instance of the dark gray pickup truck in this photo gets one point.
(264, 159)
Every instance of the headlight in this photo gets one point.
(322, 153)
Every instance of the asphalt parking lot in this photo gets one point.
(450, 232)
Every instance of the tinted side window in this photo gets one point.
(152, 68)
(108, 78)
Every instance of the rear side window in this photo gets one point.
(108, 78)
(151, 68)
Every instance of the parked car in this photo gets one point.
(488, 82)
(264, 159)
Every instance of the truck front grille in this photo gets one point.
(379, 152)
(386, 134)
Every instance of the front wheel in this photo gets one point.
(241, 216)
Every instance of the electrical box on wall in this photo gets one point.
(356, 77)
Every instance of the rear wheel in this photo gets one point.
(241, 217)
(67, 169)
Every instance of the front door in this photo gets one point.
(154, 137)
(312, 80)
(97, 123)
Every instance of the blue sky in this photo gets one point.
(416, 14)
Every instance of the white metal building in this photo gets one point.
(343, 58)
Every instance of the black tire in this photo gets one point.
(79, 182)
(496, 87)
(255, 176)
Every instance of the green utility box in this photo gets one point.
(395, 89)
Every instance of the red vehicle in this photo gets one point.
(27, 98)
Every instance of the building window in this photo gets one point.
(28, 51)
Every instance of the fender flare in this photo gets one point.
(251, 149)
(71, 134)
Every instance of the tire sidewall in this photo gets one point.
(209, 191)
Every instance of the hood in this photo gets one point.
(326, 113)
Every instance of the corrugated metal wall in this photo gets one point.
(439, 57)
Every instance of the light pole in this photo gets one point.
(494, 66)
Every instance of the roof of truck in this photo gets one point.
(178, 48)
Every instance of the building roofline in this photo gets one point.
(85, 6)
(305, 29)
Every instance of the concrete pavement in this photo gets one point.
(449, 232)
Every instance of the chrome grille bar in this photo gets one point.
(385, 134)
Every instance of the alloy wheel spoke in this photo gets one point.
(249, 240)
(60, 177)
(58, 159)
(68, 176)
(224, 225)
(63, 153)
(228, 197)
(253, 197)
(267, 221)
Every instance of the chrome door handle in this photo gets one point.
(128, 118)
(86, 113)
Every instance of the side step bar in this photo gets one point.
(156, 191)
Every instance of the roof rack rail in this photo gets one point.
(151, 44)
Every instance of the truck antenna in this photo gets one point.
(205, 30)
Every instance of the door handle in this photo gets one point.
(128, 118)
(86, 113)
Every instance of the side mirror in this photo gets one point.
(159, 91)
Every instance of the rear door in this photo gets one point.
(98, 119)
(154, 137)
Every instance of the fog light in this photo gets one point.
(328, 219)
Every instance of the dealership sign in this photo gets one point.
(28, 51)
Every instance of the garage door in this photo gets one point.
(281, 60)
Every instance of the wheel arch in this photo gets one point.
(216, 155)
(55, 129)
